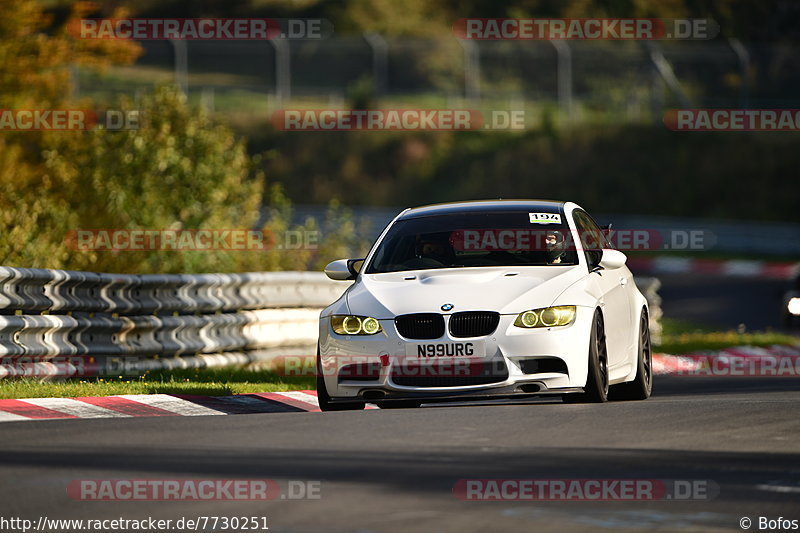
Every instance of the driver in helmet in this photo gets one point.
(436, 247)
(555, 247)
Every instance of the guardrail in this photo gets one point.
(62, 291)
(58, 315)
(649, 289)
(49, 314)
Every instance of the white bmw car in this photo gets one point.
(484, 300)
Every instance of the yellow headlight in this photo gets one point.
(370, 326)
(355, 325)
(561, 315)
(529, 319)
(351, 325)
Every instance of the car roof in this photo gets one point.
(482, 206)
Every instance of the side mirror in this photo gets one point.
(612, 259)
(337, 270)
(344, 269)
(607, 231)
(354, 266)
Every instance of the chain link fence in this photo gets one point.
(634, 81)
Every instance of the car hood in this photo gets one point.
(506, 290)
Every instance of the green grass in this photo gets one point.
(205, 382)
(680, 337)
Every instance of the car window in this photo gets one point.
(503, 238)
(591, 237)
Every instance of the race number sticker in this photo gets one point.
(545, 218)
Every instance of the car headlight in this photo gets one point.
(547, 317)
(794, 306)
(355, 325)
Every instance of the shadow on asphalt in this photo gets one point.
(436, 473)
(665, 386)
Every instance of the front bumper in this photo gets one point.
(523, 361)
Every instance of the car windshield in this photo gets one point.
(518, 238)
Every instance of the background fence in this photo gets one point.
(625, 80)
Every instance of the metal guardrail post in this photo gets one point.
(472, 70)
(283, 74)
(743, 56)
(564, 78)
(181, 61)
(380, 61)
(664, 69)
(649, 289)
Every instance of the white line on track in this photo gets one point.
(11, 417)
(172, 404)
(75, 408)
(301, 397)
(310, 398)
(246, 402)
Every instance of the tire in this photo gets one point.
(642, 387)
(399, 404)
(324, 398)
(596, 389)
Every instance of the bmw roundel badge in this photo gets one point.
(447, 307)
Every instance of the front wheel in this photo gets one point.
(596, 390)
(324, 399)
(641, 387)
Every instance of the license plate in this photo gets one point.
(446, 350)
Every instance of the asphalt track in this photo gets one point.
(724, 301)
(394, 470)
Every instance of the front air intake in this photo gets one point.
(450, 375)
(473, 323)
(423, 326)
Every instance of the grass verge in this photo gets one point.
(205, 382)
(680, 337)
